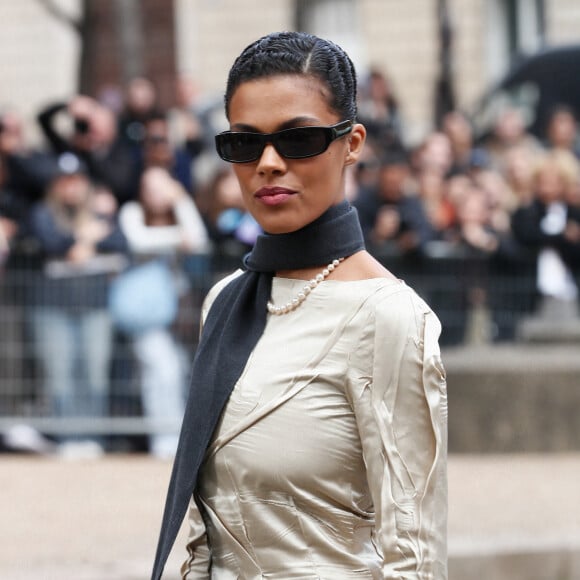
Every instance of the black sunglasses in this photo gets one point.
(296, 143)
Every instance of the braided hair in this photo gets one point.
(298, 53)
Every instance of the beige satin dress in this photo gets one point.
(329, 461)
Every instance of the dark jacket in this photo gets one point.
(411, 214)
(114, 167)
(527, 230)
(60, 284)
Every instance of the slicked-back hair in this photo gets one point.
(298, 53)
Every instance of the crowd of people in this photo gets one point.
(120, 182)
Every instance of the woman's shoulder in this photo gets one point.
(385, 297)
(216, 289)
(395, 308)
(377, 287)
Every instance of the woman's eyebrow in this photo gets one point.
(289, 124)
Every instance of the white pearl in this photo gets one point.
(306, 290)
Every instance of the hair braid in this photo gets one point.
(298, 53)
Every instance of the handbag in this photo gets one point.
(143, 297)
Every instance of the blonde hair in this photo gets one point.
(564, 162)
(70, 219)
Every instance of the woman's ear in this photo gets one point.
(356, 141)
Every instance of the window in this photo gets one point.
(514, 27)
(332, 19)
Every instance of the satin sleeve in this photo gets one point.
(400, 403)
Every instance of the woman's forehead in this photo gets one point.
(279, 98)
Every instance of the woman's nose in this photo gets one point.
(271, 160)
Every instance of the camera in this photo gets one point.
(81, 126)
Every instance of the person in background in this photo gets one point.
(231, 227)
(518, 172)
(562, 130)
(93, 137)
(185, 125)
(474, 228)
(500, 202)
(460, 134)
(392, 216)
(139, 105)
(550, 228)
(379, 112)
(80, 249)
(158, 151)
(434, 154)
(439, 210)
(163, 222)
(509, 131)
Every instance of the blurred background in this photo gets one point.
(117, 216)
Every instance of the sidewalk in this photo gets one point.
(510, 517)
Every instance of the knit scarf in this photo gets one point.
(231, 330)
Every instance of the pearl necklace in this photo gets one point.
(306, 290)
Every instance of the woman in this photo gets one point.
(314, 438)
(165, 223)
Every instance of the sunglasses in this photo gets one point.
(296, 143)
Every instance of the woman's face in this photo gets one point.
(156, 192)
(562, 130)
(285, 195)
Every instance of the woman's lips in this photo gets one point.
(273, 195)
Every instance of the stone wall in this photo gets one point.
(514, 398)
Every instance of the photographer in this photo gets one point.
(93, 138)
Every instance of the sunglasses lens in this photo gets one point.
(302, 142)
(239, 147)
(296, 143)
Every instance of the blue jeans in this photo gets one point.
(74, 349)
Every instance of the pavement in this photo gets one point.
(510, 517)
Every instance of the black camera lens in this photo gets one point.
(81, 126)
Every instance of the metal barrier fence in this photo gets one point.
(476, 298)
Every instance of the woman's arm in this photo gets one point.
(192, 225)
(163, 239)
(46, 120)
(143, 238)
(402, 419)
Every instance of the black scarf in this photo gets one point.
(231, 330)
